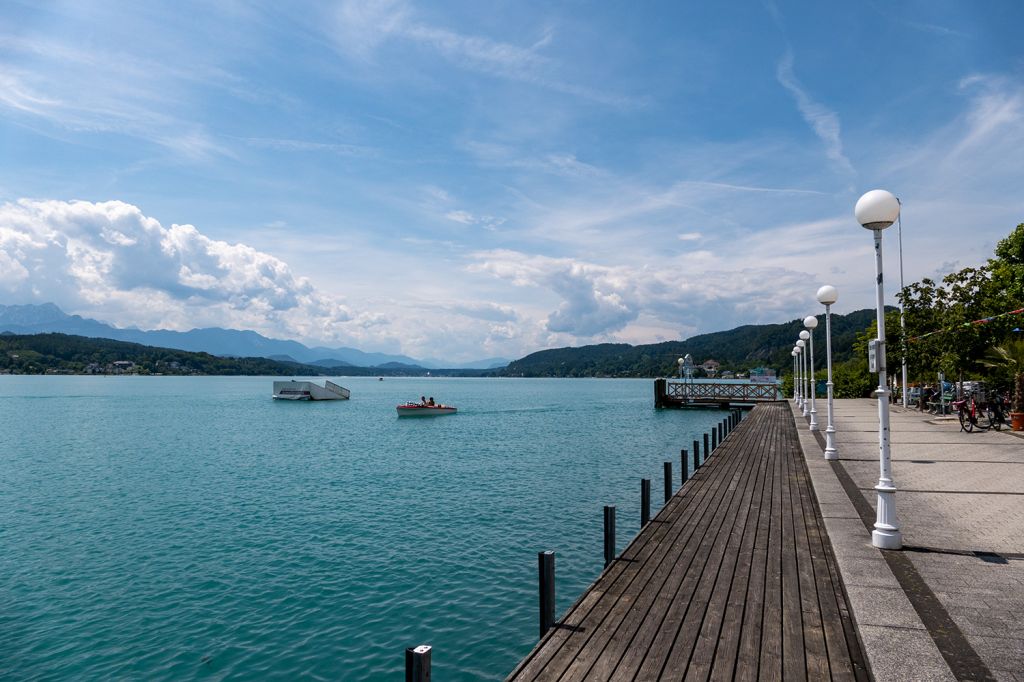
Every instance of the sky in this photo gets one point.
(465, 180)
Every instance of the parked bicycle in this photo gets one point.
(981, 415)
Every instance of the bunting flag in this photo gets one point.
(983, 320)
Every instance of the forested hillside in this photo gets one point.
(738, 349)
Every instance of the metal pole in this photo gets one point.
(887, 527)
(830, 430)
(417, 664)
(546, 581)
(707, 452)
(714, 439)
(668, 481)
(696, 456)
(645, 501)
(609, 534)
(803, 370)
(903, 324)
(684, 466)
(796, 386)
(814, 389)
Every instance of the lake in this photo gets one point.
(178, 527)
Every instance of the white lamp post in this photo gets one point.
(827, 295)
(680, 362)
(799, 375)
(877, 210)
(804, 338)
(797, 379)
(796, 393)
(811, 322)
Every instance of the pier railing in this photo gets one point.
(680, 394)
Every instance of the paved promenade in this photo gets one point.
(950, 605)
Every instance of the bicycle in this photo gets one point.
(996, 413)
(972, 414)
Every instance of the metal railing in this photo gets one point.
(720, 392)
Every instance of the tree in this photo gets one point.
(1009, 357)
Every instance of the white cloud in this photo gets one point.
(362, 27)
(111, 258)
(822, 120)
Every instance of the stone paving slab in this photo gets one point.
(964, 538)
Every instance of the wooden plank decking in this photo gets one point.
(733, 579)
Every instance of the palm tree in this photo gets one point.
(1009, 356)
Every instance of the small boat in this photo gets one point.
(307, 390)
(421, 410)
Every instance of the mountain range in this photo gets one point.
(741, 349)
(49, 318)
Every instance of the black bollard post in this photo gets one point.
(645, 501)
(721, 433)
(706, 451)
(684, 465)
(714, 439)
(546, 582)
(668, 481)
(609, 534)
(696, 455)
(417, 664)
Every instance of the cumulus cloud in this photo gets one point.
(110, 258)
(599, 302)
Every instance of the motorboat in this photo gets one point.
(307, 390)
(423, 410)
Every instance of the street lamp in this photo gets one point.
(875, 211)
(827, 295)
(805, 336)
(680, 361)
(796, 393)
(811, 322)
(800, 363)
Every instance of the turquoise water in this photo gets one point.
(179, 527)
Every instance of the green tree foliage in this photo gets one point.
(952, 305)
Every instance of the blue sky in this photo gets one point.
(466, 180)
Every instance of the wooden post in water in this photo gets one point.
(696, 456)
(668, 481)
(645, 501)
(721, 432)
(684, 465)
(546, 582)
(714, 439)
(609, 534)
(706, 451)
(417, 664)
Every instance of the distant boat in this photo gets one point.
(307, 390)
(421, 410)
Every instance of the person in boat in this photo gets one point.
(430, 403)
(423, 400)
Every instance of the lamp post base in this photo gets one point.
(886, 534)
(830, 444)
(814, 420)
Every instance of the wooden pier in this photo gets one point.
(712, 394)
(733, 579)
